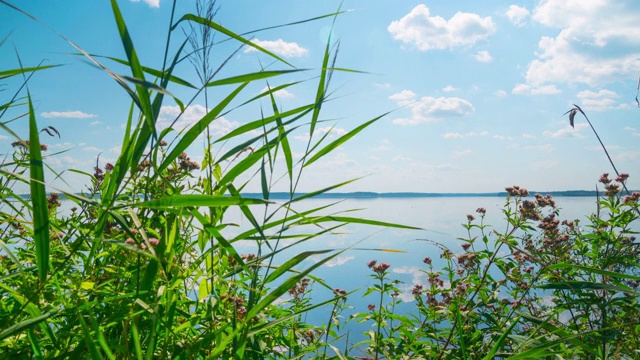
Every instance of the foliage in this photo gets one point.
(146, 263)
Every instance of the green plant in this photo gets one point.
(146, 264)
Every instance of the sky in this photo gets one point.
(477, 91)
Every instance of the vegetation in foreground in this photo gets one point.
(145, 264)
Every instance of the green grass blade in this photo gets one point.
(13, 72)
(91, 345)
(38, 198)
(24, 325)
(229, 33)
(261, 75)
(586, 285)
(197, 200)
(594, 271)
(330, 147)
(190, 136)
(289, 264)
(501, 339)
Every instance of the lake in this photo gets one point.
(440, 219)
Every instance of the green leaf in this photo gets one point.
(330, 147)
(26, 324)
(261, 75)
(196, 200)
(593, 270)
(586, 285)
(38, 198)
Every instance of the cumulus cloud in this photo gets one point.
(567, 131)
(279, 47)
(483, 56)
(457, 135)
(425, 32)
(340, 260)
(449, 89)
(281, 94)
(403, 97)
(67, 114)
(517, 15)
(430, 109)
(598, 101)
(151, 3)
(524, 89)
(596, 43)
(192, 114)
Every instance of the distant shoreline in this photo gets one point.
(389, 195)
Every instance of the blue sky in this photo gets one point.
(477, 90)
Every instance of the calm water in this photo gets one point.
(440, 219)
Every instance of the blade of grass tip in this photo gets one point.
(286, 148)
(500, 341)
(257, 124)
(93, 349)
(121, 82)
(341, 140)
(320, 91)
(260, 75)
(136, 68)
(38, 197)
(229, 33)
(14, 72)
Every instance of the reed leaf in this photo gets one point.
(38, 198)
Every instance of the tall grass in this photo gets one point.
(147, 262)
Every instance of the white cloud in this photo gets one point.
(528, 136)
(449, 89)
(429, 109)
(483, 56)
(340, 260)
(91, 148)
(500, 93)
(627, 156)
(382, 85)
(598, 101)
(524, 89)
(517, 15)
(403, 97)
(457, 154)
(279, 47)
(633, 131)
(426, 32)
(94, 123)
(151, 3)
(67, 114)
(281, 94)
(456, 135)
(597, 43)
(192, 114)
(568, 131)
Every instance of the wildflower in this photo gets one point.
(528, 210)
(417, 290)
(371, 307)
(427, 260)
(130, 241)
(517, 191)
(74, 209)
(108, 167)
(98, 173)
(143, 165)
(604, 178)
(381, 268)
(339, 292)
(622, 178)
(371, 263)
(466, 246)
(162, 143)
(628, 199)
(481, 210)
(543, 201)
(52, 200)
(154, 241)
(611, 189)
(470, 217)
